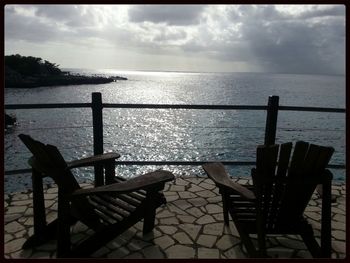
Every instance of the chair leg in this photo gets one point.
(150, 212)
(63, 229)
(310, 241)
(225, 198)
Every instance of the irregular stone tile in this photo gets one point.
(227, 241)
(176, 210)
(152, 252)
(313, 215)
(206, 219)
(164, 241)
(164, 214)
(206, 240)
(49, 203)
(20, 234)
(195, 181)
(219, 217)
(14, 245)
(339, 218)
(13, 227)
(172, 198)
(195, 212)
(177, 188)
(169, 193)
(181, 181)
(198, 201)
(29, 212)
(16, 209)
(206, 194)
(12, 217)
(208, 252)
(215, 229)
(338, 225)
(169, 221)
(195, 188)
(137, 244)
(180, 251)
(207, 186)
(169, 230)
(215, 199)
(339, 235)
(53, 190)
(186, 218)
(186, 195)
(8, 237)
(18, 197)
(338, 211)
(213, 209)
(118, 253)
(191, 230)
(182, 204)
(182, 238)
(21, 203)
(339, 246)
(50, 196)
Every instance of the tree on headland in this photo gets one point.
(31, 66)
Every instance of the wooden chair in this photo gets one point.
(108, 209)
(276, 201)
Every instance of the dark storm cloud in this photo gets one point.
(278, 43)
(182, 15)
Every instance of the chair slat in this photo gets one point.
(298, 158)
(283, 160)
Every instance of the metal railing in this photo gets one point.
(272, 109)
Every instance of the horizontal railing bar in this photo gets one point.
(47, 106)
(186, 106)
(317, 109)
(169, 106)
(23, 171)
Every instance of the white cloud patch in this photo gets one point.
(288, 39)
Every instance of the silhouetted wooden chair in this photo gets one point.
(276, 201)
(109, 209)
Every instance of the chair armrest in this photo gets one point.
(217, 172)
(90, 161)
(149, 181)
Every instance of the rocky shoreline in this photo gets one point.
(57, 80)
(31, 72)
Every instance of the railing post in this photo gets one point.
(271, 120)
(97, 123)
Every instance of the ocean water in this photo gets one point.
(179, 135)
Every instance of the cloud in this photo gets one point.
(288, 39)
(180, 15)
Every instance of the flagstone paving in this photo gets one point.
(190, 225)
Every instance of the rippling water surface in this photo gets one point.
(167, 134)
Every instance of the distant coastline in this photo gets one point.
(32, 72)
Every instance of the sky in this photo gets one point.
(295, 39)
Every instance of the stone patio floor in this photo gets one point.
(190, 225)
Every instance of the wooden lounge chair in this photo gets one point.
(108, 210)
(276, 201)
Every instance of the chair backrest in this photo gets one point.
(48, 161)
(283, 186)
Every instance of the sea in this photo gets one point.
(176, 134)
